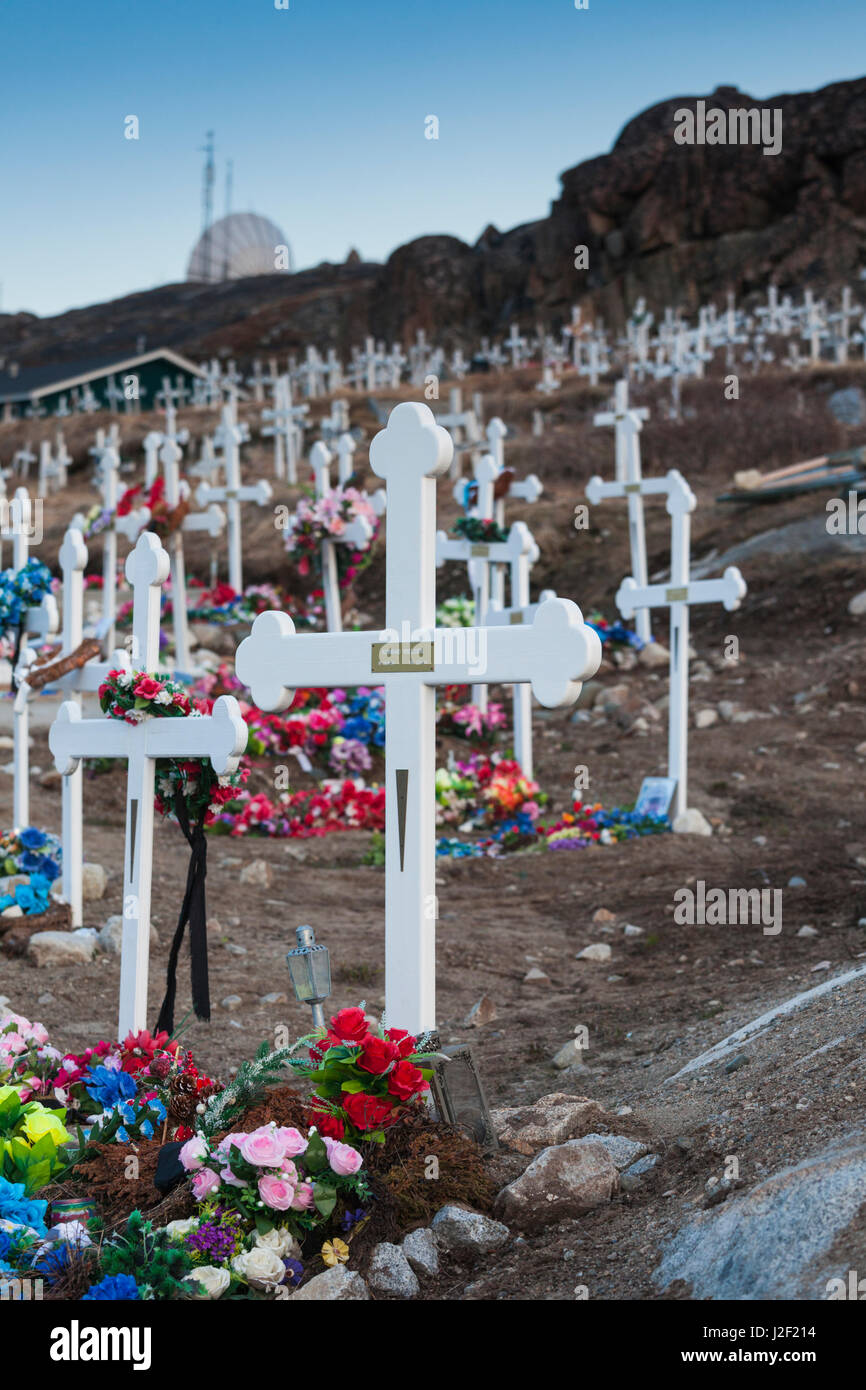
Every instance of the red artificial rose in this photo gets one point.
(377, 1055)
(406, 1081)
(328, 1126)
(147, 688)
(404, 1041)
(367, 1112)
(350, 1025)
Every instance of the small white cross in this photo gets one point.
(221, 737)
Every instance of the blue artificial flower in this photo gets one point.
(5, 1244)
(31, 838)
(15, 1207)
(108, 1087)
(49, 869)
(112, 1287)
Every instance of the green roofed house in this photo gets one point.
(117, 383)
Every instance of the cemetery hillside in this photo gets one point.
(432, 724)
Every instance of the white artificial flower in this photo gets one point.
(124, 679)
(164, 697)
(211, 1280)
(176, 1230)
(261, 1267)
(280, 1240)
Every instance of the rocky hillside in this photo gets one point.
(676, 223)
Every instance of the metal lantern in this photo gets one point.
(458, 1095)
(310, 970)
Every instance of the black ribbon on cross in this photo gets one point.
(193, 910)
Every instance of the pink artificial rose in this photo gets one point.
(223, 1148)
(288, 1171)
(39, 1033)
(228, 1177)
(192, 1153)
(342, 1158)
(147, 688)
(303, 1198)
(293, 1141)
(276, 1192)
(263, 1147)
(204, 1182)
(13, 1042)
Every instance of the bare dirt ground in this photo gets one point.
(783, 790)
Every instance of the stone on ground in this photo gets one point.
(110, 936)
(599, 951)
(93, 882)
(569, 1055)
(550, 1120)
(421, 1251)
(692, 822)
(390, 1272)
(482, 1012)
(654, 654)
(774, 1242)
(564, 1181)
(337, 1283)
(50, 948)
(256, 874)
(460, 1231)
(623, 1151)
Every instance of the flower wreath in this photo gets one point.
(195, 793)
(24, 588)
(315, 520)
(472, 528)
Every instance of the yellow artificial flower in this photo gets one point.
(41, 1122)
(335, 1252)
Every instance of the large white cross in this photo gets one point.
(212, 520)
(678, 595)
(233, 493)
(107, 481)
(221, 737)
(411, 657)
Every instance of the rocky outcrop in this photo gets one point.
(677, 223)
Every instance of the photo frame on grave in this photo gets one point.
(655, 796)
(458, 1095)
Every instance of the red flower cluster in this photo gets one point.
(380, 1067)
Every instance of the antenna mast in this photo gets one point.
(207, 202)
(230, 171)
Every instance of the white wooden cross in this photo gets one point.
(38, 622)
(286, 427)
(228, 436)
(628, 423)
(411, 657)
(107, 481)
(519, 552)
(678, 595)
(73, 559)
(212, 520)
(515, 344)
(357, 534)
(221, 737)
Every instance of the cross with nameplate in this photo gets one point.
(628, 423)
(220, 737)
(410, 658)
(678, 595)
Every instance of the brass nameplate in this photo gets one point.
(515, 619)
(479, 550)
(397, 657)
(676, 595)
(632, 487)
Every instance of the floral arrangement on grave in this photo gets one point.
(365, 1078)
(31, 1136)
(456, 612)
(33, 858)
(617, 633)
(480, 532)
(22, 589)
(481, 790)
(191, 791)
(593, 825)
(316, 520)
(164, 520)
(477, 726)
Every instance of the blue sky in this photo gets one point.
(322, 109)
